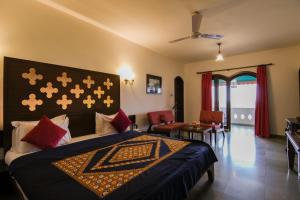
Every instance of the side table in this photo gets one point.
(191, 129)
(293, 148)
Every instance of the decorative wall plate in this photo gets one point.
(32, 102)
(77, 91)
(32, 76)
(64, 102)
(88, 81)
(64, 79)
(49, 90)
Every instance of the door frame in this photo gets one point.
(178, 78)
(227, 79)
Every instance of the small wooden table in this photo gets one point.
(191, 129)
(293, 142)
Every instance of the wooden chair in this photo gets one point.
(213, 120)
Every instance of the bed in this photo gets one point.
(130, 165)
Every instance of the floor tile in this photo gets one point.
(249, 167)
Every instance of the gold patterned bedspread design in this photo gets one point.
(106, 169)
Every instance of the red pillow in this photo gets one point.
(167, 117)
(45, 134)
(121, 121)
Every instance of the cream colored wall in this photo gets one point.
(31, 30)
(298, 52)
(283, 82)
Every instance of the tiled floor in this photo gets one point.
(249, 168)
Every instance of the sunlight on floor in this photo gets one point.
(248, 168)
(242, 150)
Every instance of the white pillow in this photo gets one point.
(19, 132)
(57, 120)
(107, 128)
(67, 137)
(103, 126)
(23, 127)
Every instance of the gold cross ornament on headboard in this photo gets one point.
(108, 84)
(32, 76)
(77, 91)
(49, 90)
(32, 102)
(99, 92)
(88, 81)
(108, 101)
(64, 79)
(64, 102)
(89, 101)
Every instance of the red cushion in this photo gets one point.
(211, 116)
(206, 116)
(167, 116)
(45, 134)
(157, 117)
(168, 127)
(121, 121)
(154, 117)
(205, 125)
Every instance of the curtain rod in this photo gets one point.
(229, 69)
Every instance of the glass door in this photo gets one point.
(243, 109)
(243, 88)
(220, 100)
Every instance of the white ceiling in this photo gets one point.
(248, 25)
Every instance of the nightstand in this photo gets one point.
(133, 126)
(6, 186)
(3, 167)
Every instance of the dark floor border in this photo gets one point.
(278, 136)
(239, 124)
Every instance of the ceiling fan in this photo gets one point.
(196, 22)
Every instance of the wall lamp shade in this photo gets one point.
(126, 74)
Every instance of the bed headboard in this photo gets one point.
(33, 89)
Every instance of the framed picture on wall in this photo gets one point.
(153, 84)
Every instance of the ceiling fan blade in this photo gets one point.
(196, 21)
(180, 39)
(212, 36)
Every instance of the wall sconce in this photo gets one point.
(130, 82)
(126, 74)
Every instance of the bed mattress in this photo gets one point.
(122, 166)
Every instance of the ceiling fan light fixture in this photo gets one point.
(219, 57)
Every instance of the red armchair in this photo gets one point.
(214, 120)
(163, 122)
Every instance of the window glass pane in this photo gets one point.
(222, 99)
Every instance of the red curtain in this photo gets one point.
(206, 91)
(262, 127)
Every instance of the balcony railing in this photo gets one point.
(243, 116)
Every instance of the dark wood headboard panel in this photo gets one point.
(46, 85)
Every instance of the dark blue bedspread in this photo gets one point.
(126, 166)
